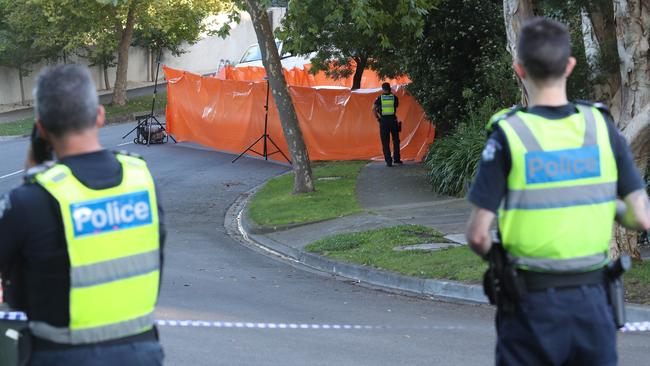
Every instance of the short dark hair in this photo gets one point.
(66, 99)
(385, 86)
(544, 48)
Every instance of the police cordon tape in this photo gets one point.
(20, 316)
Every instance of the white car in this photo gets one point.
(253, 57)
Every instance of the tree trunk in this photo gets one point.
(599, 31)
(515, 13)
(22, 87)
(632, 31)
(107, 83)
(119, 94)
(360, 67)
(303, 182)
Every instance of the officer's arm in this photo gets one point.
(634, 212)
(375, 111)
(478, 230)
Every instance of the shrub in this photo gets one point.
(463, 48)
(452, 160)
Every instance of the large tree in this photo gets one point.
(303, 181)
(18, 48)
(103, 30)
(161, 28)
(350, 36)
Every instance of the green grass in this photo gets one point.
(275, 204)
(375, 248)
(135, 105)
(17, 128)
(637, 283)
(138, 104)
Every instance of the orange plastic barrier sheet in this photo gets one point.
(302, 77)
(337, 124)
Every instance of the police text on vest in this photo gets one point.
(111, 213)
(562, 165)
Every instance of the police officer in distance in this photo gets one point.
(81, 247)
(552, 173)
(385, 110)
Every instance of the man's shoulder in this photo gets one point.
(31, 173)
(500, 116)
(28, 196)
(600, 106)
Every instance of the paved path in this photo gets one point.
(389, 196)
(209, 276)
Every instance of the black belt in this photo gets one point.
(39, 344)
(538, 281)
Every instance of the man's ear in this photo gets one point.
(571, 64)
(101, 116)
(519, 70)
(42, 133)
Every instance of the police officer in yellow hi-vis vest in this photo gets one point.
(553, 174)
(81, 246)
(385, 110)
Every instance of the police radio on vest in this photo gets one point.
(110, 214)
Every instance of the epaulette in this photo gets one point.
(127, 153)
(600, 106)
(31, 173)
(501, 115)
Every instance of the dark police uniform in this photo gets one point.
(35, 262)
(388, 127)
(552, 325)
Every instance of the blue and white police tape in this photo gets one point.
(19, 316)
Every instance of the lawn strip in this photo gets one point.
(375, 248)
(114, 114)
(335, 196)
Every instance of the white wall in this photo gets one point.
(202, 57)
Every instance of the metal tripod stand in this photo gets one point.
(146, 123)
(265, 137)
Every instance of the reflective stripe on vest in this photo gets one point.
(112, 240)
(559, 210)
(387, 105)
(579, 264)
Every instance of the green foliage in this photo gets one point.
(335, 196)
(351, 35)
(452, 160)
(637, 283)
(375, 248)
(568, 12)
(463, 53)
(168, 24)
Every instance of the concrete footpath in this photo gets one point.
(389, 196)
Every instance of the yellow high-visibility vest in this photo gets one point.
(387, 105)
(560, 205)
(113, 244)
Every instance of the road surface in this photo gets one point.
(209, 276)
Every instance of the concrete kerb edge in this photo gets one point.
(388, 280)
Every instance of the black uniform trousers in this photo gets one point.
(387, 127)
(567, 326)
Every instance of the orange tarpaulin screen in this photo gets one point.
(302, 77)
(337, 124)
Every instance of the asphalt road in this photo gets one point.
(106, 98)
(209, 276)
